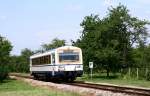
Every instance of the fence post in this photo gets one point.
(137, 72)
(146, 72)
(121, 71)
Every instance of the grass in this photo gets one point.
(115, 80)
(20, 88)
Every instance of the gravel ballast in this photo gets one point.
(70, 88)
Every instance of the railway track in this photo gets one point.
(117, 89)
(113, 88)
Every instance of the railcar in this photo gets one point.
(63, 63)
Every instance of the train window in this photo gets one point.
(72, 57)
(49, 59)
(33, 61)
(46, 60)
(37, 60)
(41, 60)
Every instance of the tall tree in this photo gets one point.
(21, 63)
(141, 56)
(129, 30)
(108, 41)
(54, 44)
(24, 58)
(5, 48)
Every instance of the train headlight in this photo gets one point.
(61, 68)
(78, 66)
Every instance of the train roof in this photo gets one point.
(66, 47)
(52, 51)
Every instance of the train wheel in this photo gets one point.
(47, 78)
(71, 79)
(35, 77)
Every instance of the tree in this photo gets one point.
(141, 56)
(108, 41)
(21, 63)
(5, 48)
(54, 44)
(129, 30)
(25, 59)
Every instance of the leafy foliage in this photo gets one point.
(54, 44)
(109, 41)
(141, 56)
(5, 48)
(148, 76)
(21, 63)
(115, 42)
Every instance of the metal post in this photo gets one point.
(146, 72)
(91, 72)
(91, 68)
(137, 71)
(129, 71)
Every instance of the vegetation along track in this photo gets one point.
(113, 88)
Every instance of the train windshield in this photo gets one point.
(72, 57)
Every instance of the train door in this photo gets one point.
(53, 62)
(53, 58)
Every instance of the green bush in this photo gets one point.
(5, 48)
(3, 73)
(148, 76)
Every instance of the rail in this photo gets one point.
(113, 88)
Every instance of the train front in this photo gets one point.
(69, 61)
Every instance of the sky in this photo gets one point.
(31, 23)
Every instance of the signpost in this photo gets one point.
(91, 68)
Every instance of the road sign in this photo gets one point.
(91, 65)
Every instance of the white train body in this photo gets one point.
(62, 62)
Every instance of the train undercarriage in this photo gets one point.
(67, 76)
